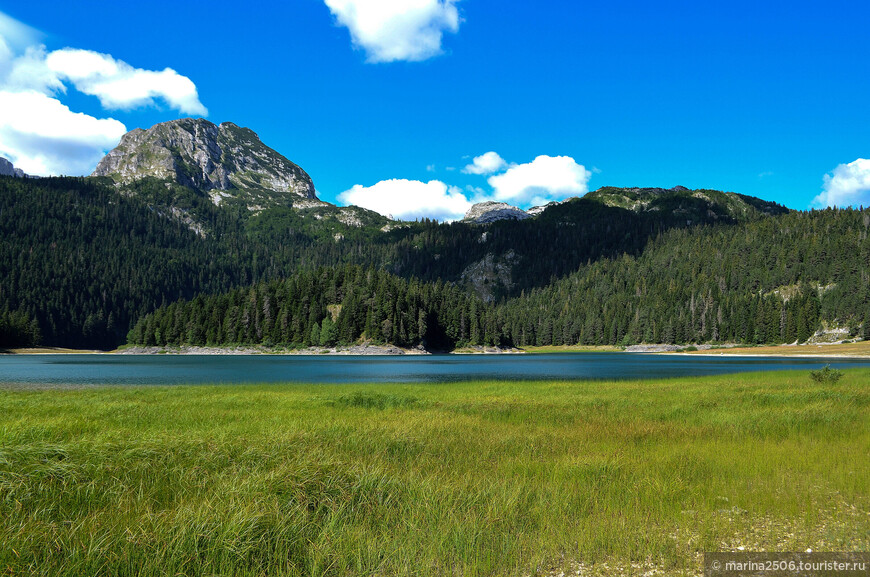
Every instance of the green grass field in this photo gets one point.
(485, 478)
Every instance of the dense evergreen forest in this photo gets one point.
(323, 307)
(774, 280)
(82, 262)
(85, 261)
(708, 284)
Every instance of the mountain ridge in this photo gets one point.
(229, 163)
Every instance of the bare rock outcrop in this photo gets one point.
(226, 161)
(485, 212)
(7, 169)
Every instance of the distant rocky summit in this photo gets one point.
(226, 161)
(6, 169)
(486, 212)
(536, 210)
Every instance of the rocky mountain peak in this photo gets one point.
(225, 161)
(7, 169)
(485, 212)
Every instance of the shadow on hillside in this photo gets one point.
(538, 251)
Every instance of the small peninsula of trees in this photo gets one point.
(323, 307)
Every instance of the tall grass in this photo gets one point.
(483, 478)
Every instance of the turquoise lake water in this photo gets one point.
(201, 369)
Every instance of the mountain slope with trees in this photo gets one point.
(190, 209)
(84, 258)
(707, 284)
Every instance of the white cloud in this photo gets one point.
(390, 30)
(29, 72)
(120, 86)
(545, 179)
(486, 163)
(15, 34)
(42, 136)
(849, 184)
(409, 199)
(39, 133)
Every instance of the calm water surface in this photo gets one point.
(200, 369)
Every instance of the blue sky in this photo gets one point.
(388, 103)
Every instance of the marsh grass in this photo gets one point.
(483, 478)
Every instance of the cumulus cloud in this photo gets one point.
(39, 133)
(29, 72)
(848, 185)
(486, 163)
(391, 30)
(42, 136)
(120, 86)
(409, 199)
(545, 179)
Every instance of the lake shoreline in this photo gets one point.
(856, 350)
(354, 350)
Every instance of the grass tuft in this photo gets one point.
(826, 375)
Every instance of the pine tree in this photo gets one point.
(327, 332)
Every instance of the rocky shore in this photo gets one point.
(365, 349)
(674, 348)
(362, 349)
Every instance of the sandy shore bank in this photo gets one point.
(855, 350)
(51, 351)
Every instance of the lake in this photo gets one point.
(202, 369)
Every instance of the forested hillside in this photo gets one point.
(774, 280)
(706, 284)
(82, 259)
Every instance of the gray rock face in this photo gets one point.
(536, 210)
(6, 169)
(485, 212)
(225, 161)
(490, 272)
